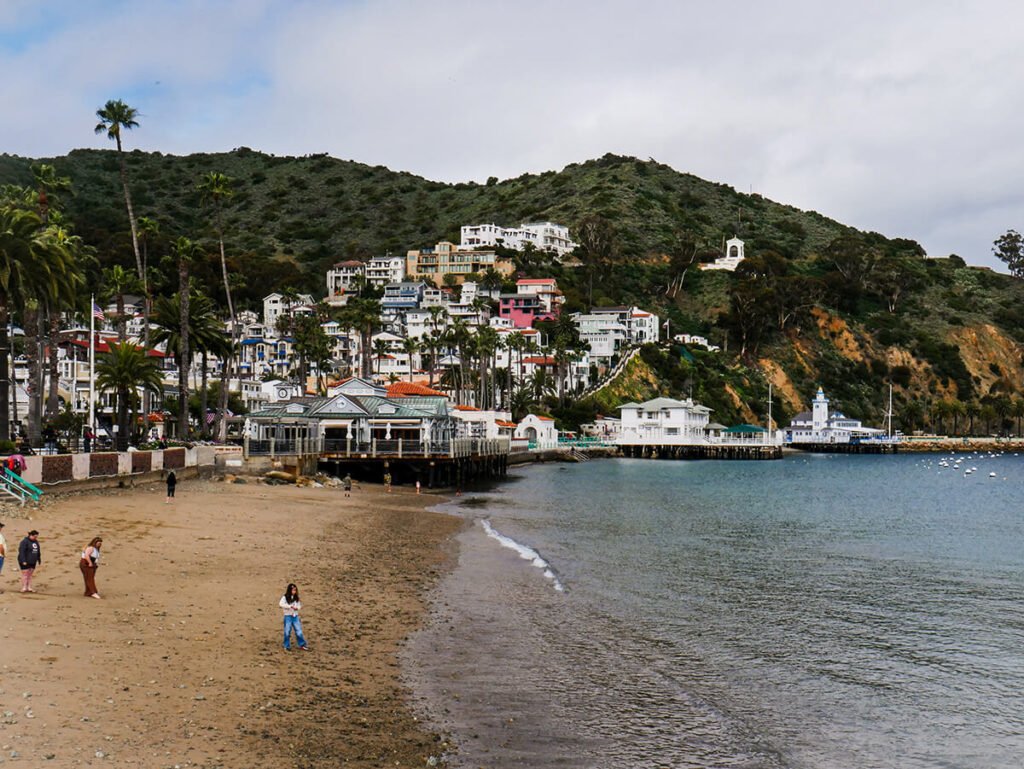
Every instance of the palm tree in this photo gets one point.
(410, 347)
(363, 315)
(1017, 412)
(48, 183)
(123, 369)
(186, 251)
(63, 301)
(486, 344)
(206, 333)
(39, 273)
(941, 411)
(114, 117)
(957, 410)
(216, 188)
(380, 349)
(972, 410)
(118, 282)
(149, 229)
(20, 247)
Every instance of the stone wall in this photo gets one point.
(52, 471)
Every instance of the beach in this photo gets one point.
(181, 663)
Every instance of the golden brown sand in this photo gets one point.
(181, 662)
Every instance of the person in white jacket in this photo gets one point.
(291, 605)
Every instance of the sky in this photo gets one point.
(904, 118)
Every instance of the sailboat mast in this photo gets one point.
(888, 415)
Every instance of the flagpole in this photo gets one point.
(92, 361)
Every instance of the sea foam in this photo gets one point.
(525, 552)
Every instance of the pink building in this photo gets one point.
(535, 299)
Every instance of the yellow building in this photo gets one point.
(447, 259)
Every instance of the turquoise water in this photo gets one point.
(820, 611)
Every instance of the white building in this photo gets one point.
(697, 341)
(664, 422)
(471, 422)
(341, 278)
(545, 289)
(544, 236)
(539, 431)
(608, 329)
(820, 425)
(274, 305)
(381, 270)
(731, 260)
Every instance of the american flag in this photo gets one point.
(97, 312)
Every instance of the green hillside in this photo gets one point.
(816, 302)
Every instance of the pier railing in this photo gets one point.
(455, 448)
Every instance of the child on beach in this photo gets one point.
(387, 482)
(291, 605)
(89, 563)
(347, 483)
(172, 483)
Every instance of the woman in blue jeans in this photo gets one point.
(291, 605)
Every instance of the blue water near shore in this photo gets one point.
(820, 611)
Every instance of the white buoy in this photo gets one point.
(991, 475)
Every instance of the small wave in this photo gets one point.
(525, 552)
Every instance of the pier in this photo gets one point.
(443, 463)
(867, 447)
(702, 451)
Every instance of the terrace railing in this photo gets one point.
(379, 447)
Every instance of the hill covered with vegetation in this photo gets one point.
(816, 302)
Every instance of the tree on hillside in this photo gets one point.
(114, 117)
(894, 276)
(853, 261)
(682, 257)
(1009, 248)
(596, 249)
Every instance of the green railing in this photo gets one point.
(16, 486)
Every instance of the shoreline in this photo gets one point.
(181, 662)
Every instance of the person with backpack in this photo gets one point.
(172, 484)
(30, 558)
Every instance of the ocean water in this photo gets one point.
(814, 612)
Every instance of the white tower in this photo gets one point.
(734, 249)
(820, 406)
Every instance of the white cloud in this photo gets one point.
(901, 119)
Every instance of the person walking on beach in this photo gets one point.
(172, 482)
(387, 482)
(30, 558)
(3, 550)
(347, 483)
(89, 563)
(291, 605)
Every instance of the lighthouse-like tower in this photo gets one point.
(820, 410)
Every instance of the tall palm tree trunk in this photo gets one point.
(131, 211)
(52, 398)
(7, 380)
(183, 351)
(205, 395)
(32, 321)
(122, 419)
(229, 360)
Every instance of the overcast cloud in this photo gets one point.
(903, 118)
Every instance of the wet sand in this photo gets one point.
(181, 663)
